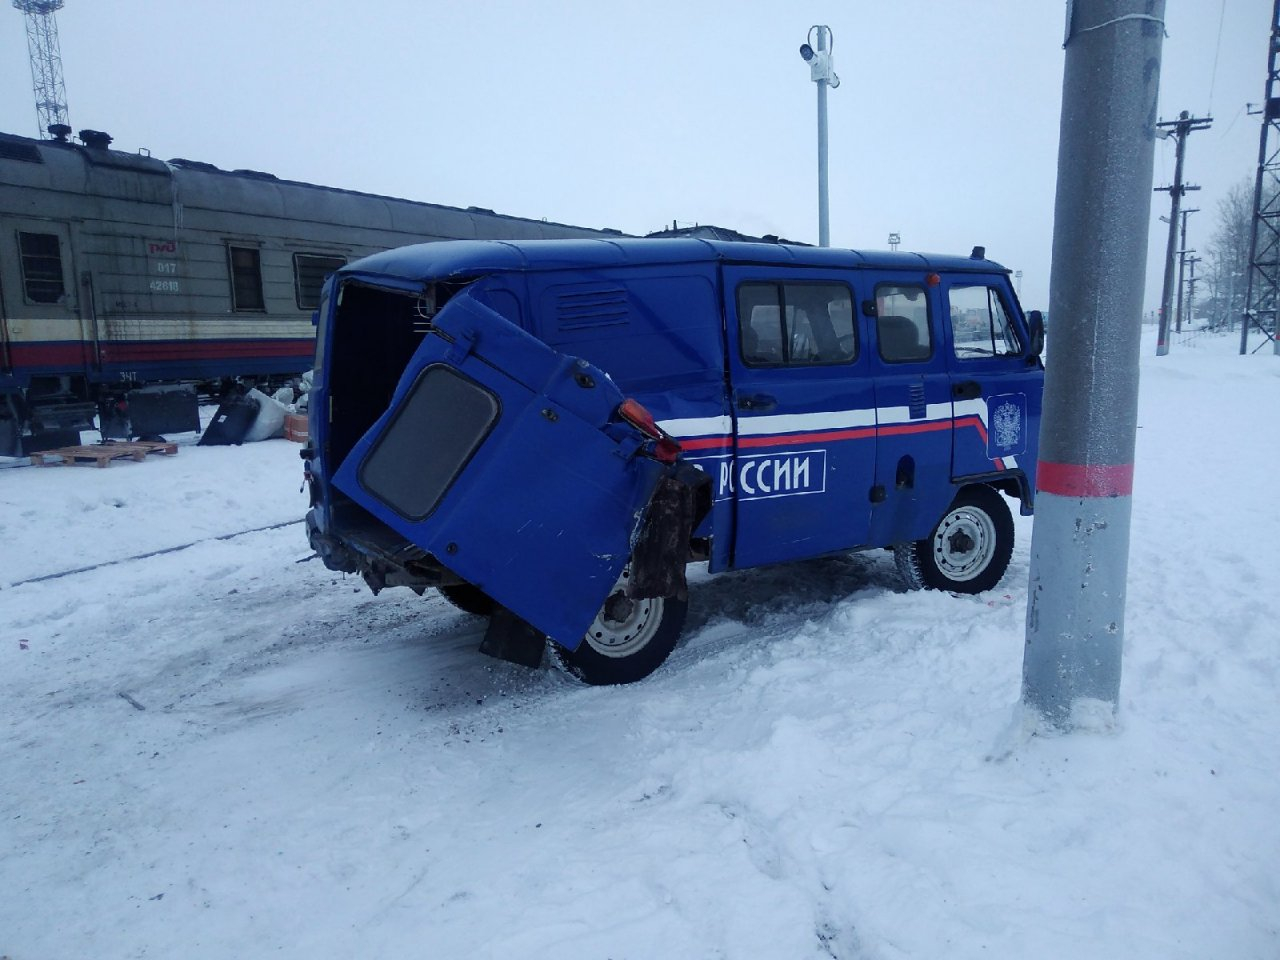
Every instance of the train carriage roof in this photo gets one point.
(101, 171)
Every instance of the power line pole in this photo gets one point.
(1264, 234)
(1191, 288)
(1177, 310)
(46, 64)
(1179, 128)
(1084, 478)
(1182, 260)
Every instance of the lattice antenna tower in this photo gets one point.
(1264, 241)
(46, 64)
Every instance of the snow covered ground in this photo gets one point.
(219, 752)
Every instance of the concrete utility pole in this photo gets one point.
(1084, 480)
(1191, 288)
(1182, 262)
(1176, 128)
(821, 72)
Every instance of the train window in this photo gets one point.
(309, 273)
(246, 278)
(41, 267)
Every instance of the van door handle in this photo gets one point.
(760, 401)
(966, 389)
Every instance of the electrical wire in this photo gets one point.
(1213, 77)
(1239, 113)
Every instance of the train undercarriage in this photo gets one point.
(53, 410)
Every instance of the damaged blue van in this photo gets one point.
(548, 432)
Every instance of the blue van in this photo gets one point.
(549, 431)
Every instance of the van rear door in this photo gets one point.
(505, 461)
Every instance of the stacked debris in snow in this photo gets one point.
(247, 416)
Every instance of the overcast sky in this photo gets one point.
(632, 115)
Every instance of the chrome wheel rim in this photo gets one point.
(624, 626)
(964, 543)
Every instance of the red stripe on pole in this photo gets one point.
(1087, 480)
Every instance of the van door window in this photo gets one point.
(902, 323)
(980, 324)
(796, 324)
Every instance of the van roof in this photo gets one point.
(470, 257)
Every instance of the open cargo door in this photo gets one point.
(504, 460)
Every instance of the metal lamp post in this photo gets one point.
(818, 55)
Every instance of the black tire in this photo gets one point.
(468, 599)
(628, 640)
(969, 549)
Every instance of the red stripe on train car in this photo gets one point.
(151, 351)
(72, 353)
(78, 353)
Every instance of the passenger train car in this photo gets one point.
(119, 270)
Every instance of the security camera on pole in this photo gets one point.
(817, 54)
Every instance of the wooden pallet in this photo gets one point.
(101, 453)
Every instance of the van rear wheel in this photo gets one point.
(969, 549)
(627, 640)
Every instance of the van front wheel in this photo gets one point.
(967, 552)
(627, 640)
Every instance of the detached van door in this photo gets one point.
(803, 457)
(996, 381)
(503, 460)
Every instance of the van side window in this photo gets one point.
(902, 323)
(796, 324)
(980, 324)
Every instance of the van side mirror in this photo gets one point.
(1035, 324)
